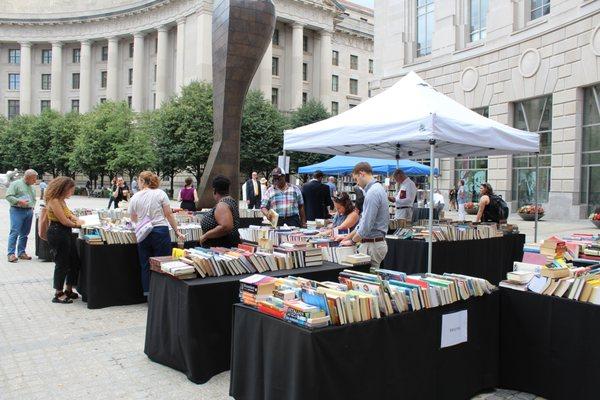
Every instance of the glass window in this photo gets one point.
(305, 72)
(276, 37)
(370, 66)
(129, 101)
(351, 106)
(156, 45)
(75, 81)
(275, 67)
(14, 56)
(478, 18)
(46, 56)
(534, 115)
(304, 98)
(46, 81)
(76, 56)
(14, 81)
(104, 54)
(425, 23)
(75, 106)
(154, 101)
(354, 86)
(44, 105)
(305, 44)
(335, 83)
(539, 8)
(102, 100)
(590, 149)
(154, 72)
(335, 108)
(131, 50)
(103, 79)
(353, 62)
(335, 58)
(14, 108)
(275, 97)
(130, 77)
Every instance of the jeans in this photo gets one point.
(157, 244)
(20, 225)
(110, 201)
(66, 265)
(461, 212)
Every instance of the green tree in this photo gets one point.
(262, 134)
(64, 131)
(38, 141)
(135, 155)
(13, 152)
(312, 111)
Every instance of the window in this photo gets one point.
(44, 105)
(472, 169)
(154, 100)
(350, 106)
(335, 83)
(129, 101)
(14, 108)
(335, 58)
(353, 62)
(354, 86)
(275, 97)
(103, 75)
(276, 37)
(75, 81)
(14, 81)
(130, 77)
(369, 93)
(304, 98)
(154, 72)
(156, 45)
(75, 106)
(46, 56)
(305, 44)
(104, 54)
(335, 108)
(76, 56)
(478, 18)
(14, 56)
(370, 66)
(131, 50)
(539, 8)
(425, 22)
(590, 149)
(304, 72)
(102, 100)
(275, 67)
(46, 81)
(533, 115)
(364, 19)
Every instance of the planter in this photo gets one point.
(471, 211)
(596, 223)
(530, 217)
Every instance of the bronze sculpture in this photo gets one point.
(241, 32)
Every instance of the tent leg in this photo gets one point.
(430, 240)
(537, 193)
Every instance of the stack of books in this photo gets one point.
(256, 288)
(246, 213)
(173, 267)
(191, 230)
(185, 217)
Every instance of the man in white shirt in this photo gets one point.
(405, 197)
(438, 200)
(461, 199)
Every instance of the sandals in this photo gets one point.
(57, 298)
(71, 294)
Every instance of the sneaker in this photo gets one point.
(24, 256)
(12, 258)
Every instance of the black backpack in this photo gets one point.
(497, 210)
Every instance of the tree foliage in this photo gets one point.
(312, 111)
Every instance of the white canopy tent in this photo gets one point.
(411, 120)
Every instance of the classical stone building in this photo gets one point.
(532, 64)
(73, 54)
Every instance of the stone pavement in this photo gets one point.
(55, 351)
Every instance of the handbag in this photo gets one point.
(143, 229)
(43, 224)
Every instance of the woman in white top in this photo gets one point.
(152, 204)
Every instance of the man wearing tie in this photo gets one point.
(253, 192)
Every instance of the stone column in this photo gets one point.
(325, 84)
(25, 79)
(112, 78)
(265, 73)
(162, 65)
(137, 101)
(57, 77)
(204, 49)
(297, 58)
(180, 59)
(85, 77)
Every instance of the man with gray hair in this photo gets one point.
(21, 196)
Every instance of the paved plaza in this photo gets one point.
(55, 351)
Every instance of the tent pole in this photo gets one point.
(430, 241)
(537, 191)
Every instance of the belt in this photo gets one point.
(22, 208)
(403, 207)
(379, 239)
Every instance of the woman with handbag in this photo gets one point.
(150, 210)
(61, 221)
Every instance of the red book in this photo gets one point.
(415, 281)
(270, 311)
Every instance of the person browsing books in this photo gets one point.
(346, 216)
(188, 196)
(121, 192)
(285, 199)
(151, 206)
(62, 220)
(374, 219)
(21, 197)
(317, 198)
(221, 224)
(405, 197)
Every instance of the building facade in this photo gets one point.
(531, 64)
(84, 52)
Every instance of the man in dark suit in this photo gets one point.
(316, 198)
(253, 192)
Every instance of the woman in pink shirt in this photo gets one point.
(188, 196)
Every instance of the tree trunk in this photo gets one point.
(172, 177)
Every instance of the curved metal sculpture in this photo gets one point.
(241, 33)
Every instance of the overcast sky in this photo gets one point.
(368, 3)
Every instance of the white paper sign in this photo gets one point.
(454, 328)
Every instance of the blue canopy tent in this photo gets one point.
(341, 165)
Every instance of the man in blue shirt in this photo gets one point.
(21, 196)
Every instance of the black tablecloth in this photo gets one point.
(486, 258)
(423, 213)
(189, 322)
(110, 274)
(397, 357)
(246, 222)
(549, 345)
